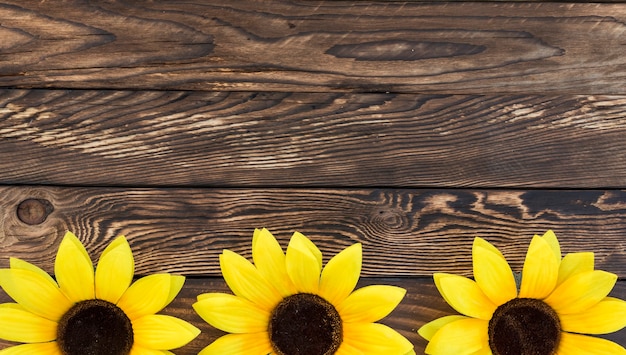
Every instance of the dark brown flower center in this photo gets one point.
(95, 327)
(524, 326)
(305, 324)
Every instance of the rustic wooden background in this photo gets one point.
(410, 127)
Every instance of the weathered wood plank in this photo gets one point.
(421, 305)
(404, 232)
(315, 46)
(153, 138)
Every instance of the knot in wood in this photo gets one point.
(390, 219)
(34, 211)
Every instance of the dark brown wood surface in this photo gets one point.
(153, 138)
(411, 127)
(315, 46)
(405, 232)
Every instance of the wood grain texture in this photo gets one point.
(316, 46)
(404, 232)
(175, 138)
(410, 127)
(421, 305)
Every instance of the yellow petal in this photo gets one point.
(303, 266)
(553, 242)
(35, 292)
(462, 337)
(480, 242)
(245, 281)
(18, 324)
(540, 271)
(607, 316)
(370, 303)
(581, 291)
(341, 274)
(176, 284)
(575, 263)
(269, 259)
(464, 295)
(375, 338)
(347, 349)
(232, 314)
(140, 350)
(30, 349)
(576, 344)
(158, 331)
(74, 270)
(148, 295)
(428, 330)
(237, 344)
(115, 270)
(204, 296)
(493, 274)
(16, 263)
(302, 239)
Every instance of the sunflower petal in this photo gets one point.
(575, 263)
(246, 281)
(607, 316)
(370, 303)
(269, 259)
(540, 271)
(176, 284)
(232, 314)
(428, 330)
(303, 266)
(553, 242)
(148, 295)
(74, 270)
(493, 274)
(461, 337)
(341, 274)
(577, 344)
(16, 263)
(581, 291)
(436, 278)
(306, 242)
(480, 242)
(18, 324)
(236, 344)
(347, 349)
(375, 338)
(140, 350)
(115, 270)
(158, 331)
(464, 295)
(50, 348)
(35, 292)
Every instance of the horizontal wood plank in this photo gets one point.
(421, 305)
(405, 232)
(316, 46)
(177, 138)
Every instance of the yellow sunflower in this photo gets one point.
(285, 304)
(87, 313)
(559, 300)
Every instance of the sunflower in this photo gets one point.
(285, 304)
(87, 313)
(558, 302)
